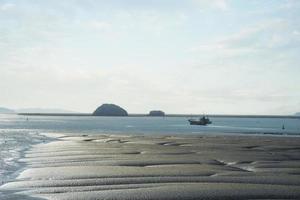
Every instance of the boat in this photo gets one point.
(202, 121)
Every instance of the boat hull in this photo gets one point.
(201, 123)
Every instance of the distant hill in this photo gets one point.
(6, 110)
(43, 110)
(298, 113)
(110, 110)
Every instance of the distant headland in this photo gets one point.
(6, 110)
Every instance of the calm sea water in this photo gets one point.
(149, 125)
(17, 133)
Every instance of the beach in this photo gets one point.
(149, 100)
(159, 167)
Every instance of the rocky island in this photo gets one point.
(110, 110)
(156, 113)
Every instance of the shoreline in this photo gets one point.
(21, 166)
(92, 166)
(15, 153)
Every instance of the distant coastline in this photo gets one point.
(167, 115)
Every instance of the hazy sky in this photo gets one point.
(191, 56)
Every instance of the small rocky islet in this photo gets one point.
(110, 110)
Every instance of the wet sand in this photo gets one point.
(162, 167)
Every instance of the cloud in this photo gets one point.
(296, 32)
(7, 6)
(290, 4)
(101, 25)
(221, 5)
(259, 38)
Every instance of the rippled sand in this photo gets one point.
(140, 167)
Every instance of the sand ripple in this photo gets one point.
(137, 167)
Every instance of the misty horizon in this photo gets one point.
(46, 110)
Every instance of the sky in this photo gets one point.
(192, 56)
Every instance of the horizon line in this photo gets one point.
(166, 115)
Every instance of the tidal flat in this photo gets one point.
(160, 167)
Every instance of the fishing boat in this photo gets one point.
(202, 121)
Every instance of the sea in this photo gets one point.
(18, 133)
